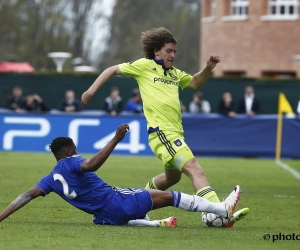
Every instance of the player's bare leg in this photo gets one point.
(165, 180)
(193, 170)
(201, 186)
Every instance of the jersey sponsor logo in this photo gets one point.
(173, 76)
(178, 142)
(166, 81)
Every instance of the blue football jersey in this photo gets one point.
(84, 190)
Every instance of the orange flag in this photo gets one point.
(284, 105)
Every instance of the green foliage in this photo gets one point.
(271, 193)
(131, 17)
(31, 29)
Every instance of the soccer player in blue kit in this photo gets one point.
(74, 180)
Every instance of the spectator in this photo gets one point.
(135, 104)
(70, 103)
(113, 104)
(249, 104)
(226, 105)
(16, 102)
(35, 104)
(199, 105)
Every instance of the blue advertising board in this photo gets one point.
(206, 135)
(24, 132)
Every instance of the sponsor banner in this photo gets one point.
(21, 132)
(206, 135)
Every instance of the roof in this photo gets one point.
(16, 67)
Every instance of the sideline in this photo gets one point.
(286, 167)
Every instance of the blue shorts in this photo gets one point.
(126, 204)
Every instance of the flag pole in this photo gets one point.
(279, 135)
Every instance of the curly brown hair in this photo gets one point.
(155, 39)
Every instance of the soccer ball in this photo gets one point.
(213, 220)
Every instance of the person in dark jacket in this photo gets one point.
(249, 104)
(70, 103)
(226, 105)
(16, 102)
(35, 104)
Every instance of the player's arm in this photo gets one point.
(98, 159)
(20, 201)
(101, 80)
(200, 78)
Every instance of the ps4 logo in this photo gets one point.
(35, 133)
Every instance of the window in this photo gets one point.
(209, 10)
(279, 74)
(238, 10)
(239, 7)
(234, 74)
(282, 10)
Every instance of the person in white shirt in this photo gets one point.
(249, 103)
(199, 105)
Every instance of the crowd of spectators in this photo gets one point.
(113, 105)
(248, 104)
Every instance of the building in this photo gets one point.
(254, 38)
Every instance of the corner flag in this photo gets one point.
(283, 107)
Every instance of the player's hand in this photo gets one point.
(212, 61)
(121, 132)
(85, 98)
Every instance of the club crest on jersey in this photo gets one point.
(178, 142)
(172, 76)
(154, 69)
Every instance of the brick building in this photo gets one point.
(254, 38)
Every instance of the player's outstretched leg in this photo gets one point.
(196, 203)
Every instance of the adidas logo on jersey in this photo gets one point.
(172, 76)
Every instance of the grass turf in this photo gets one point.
(271, 193)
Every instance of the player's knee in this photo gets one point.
(172, 180)
(193, 169)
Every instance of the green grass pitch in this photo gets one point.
(271, 193)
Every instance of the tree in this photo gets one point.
(131, 17)
(33, 28)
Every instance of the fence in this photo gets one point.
(52, 87)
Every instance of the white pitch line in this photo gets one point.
(281, 196)
(286, 167)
